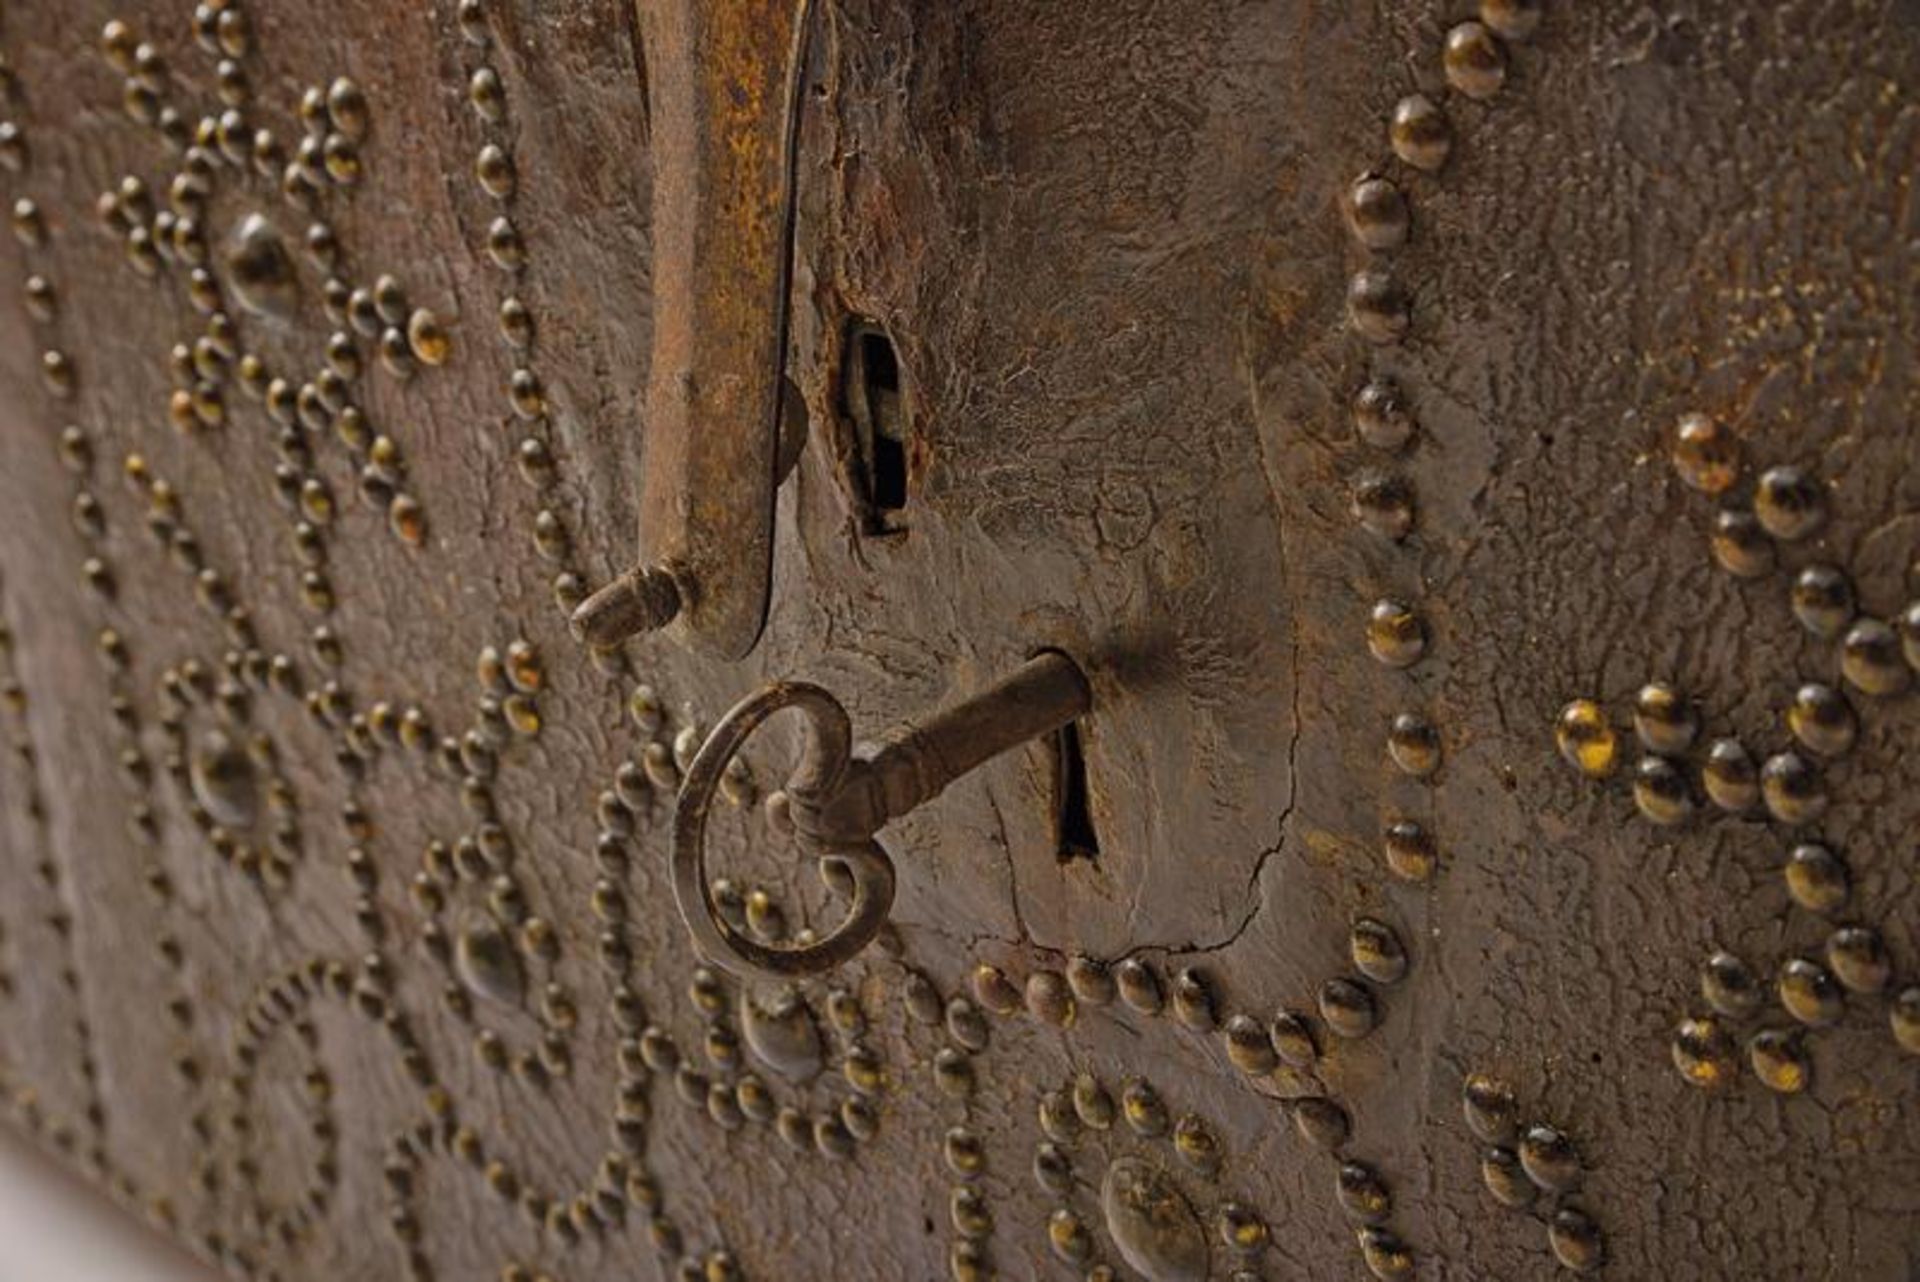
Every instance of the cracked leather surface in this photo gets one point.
(1110, 245)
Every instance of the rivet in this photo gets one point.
(341, 156)
(343, 358)
(230, 30)
(1575, 1240)
(1362, 1194)
(1585, 739)
(1492, 1112)
(1414, 744)
(1376, 951)
(516, 322)
(1321, 1122)
(1384, 504)
(1816, 879)
(1740, 546)
(1822, 600)
(1661, 791)
(1381, 418)
(1049, 998)
(1092, 982)
(472, 17)
(1377, 213)
(1193, 1000)
(427, 336)
(1143, 1108)
(1293, 1040)
(1420, 133)
(1069, 1237)
(1474, 61)
(1196, 1143)
(536, 463)
(1347, 1007)
(1386, 1256)
(13, 147)
(1663, 720)
(549, 535)
(1395, 635)
(1791, 788)
(1706, 454)
(494, 170)
(1858, 959)
(1788, 503)
(1410, 851)
(347, 108)
(1248, 1047)
(1871, 660)
(118, 42)
(1059, 1121)
(1779, 1059)
(1730, 776)
(1549, 1158)
(526, 394)
(1703, 1052)
(1501, 1172)
(970, 1215)
(1241, 1229)
(1822, 720)
(1809, 993)
(39, 298)
(56, 371)
(1378, 306)
(396, 353)
(504, 245)
(1139, 986)
(1729, 985)
(1053, 1169)
(1091, 1102)
(966, 1025)
(488, 96)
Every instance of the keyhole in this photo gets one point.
(871, 386)
(1074, 836)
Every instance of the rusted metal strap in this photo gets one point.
(724, 86)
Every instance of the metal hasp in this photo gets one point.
(837, 802)
(723, 83)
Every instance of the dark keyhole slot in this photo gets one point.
(877, 407)
(1072, 808)
(889, 431)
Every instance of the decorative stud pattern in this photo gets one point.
(242, 236)
(1521, 1161)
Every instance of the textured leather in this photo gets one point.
(1312, 373)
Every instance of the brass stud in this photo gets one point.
(1779, 1059)
(347, 108)
(1377, 213)
(1585, 739)
(1740, 546)
(487, 94)
(1474, 60)
(1420, 133)
(1822, 599)
(1410, 850)
(427, 336)
(494, 170)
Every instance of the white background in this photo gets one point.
(55, 1228)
